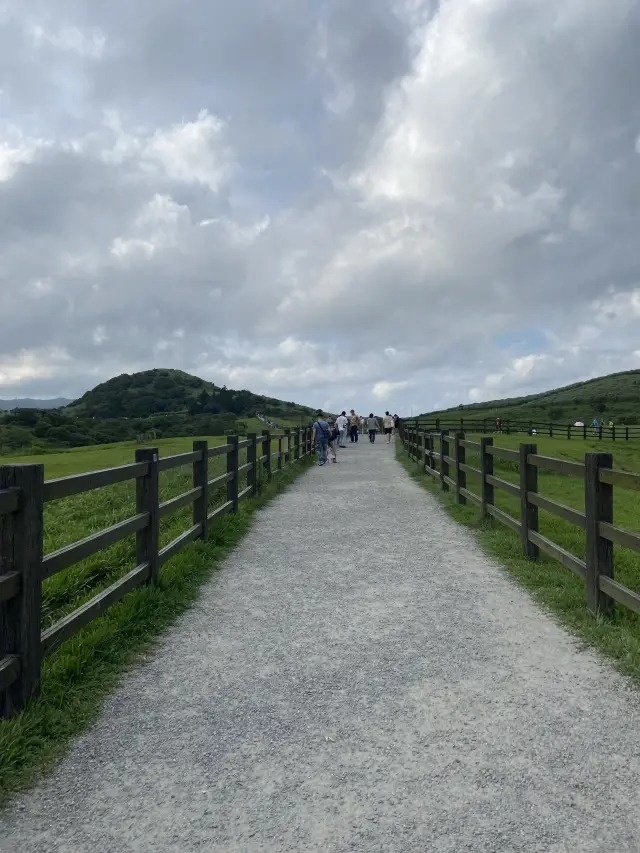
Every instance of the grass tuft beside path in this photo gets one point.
(554, 587)
(85, 670)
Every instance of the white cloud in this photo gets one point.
(445, 198)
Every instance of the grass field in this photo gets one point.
(77, 677)
(553, 585)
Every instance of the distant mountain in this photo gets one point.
(29, 403)
(616, 396)
(152, 392)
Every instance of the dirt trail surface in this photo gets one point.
(358, 676)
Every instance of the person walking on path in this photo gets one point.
(341, 424)
(321, 434)
(334, 435)
(388, 424)
(354, 423)
(396, 424)
(372, 426)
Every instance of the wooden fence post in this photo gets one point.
(252, 473)
(528, 511)
(598, 504)
(613, 433)
(584, 432)
(486, 467)
(21, 552)
(232, 469)
(279, 465)
(201, 480)
(266, 451)
(444, 466)
(287, 454)
(461, 476)
(569, 432)
(147, 500)
(423, 447)
(626, 433)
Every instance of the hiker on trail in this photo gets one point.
(354, 423)
(388, 423)
(498, 425)
(372, 426)
(341, 424)
(396, 423)
(595, 426)
(321, 434)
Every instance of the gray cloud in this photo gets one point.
(420, 205)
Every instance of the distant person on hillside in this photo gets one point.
(595, 426)
(372, 426)
(388, 424)
(354, 423)
(321, 435)
(342, 424)
(498, 425)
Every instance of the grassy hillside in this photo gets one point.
(144, 407)
(150, 392)
(615, 397)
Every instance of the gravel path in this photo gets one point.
(358, 676)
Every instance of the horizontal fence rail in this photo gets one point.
(24, 567)
(597, 472)
(601, 432)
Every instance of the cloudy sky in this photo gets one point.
(391, 203)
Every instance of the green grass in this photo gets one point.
(556, 588)
(614, 396)
(78, 677)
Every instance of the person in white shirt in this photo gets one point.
(388, 424)
(341, 424)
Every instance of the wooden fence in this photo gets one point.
(23, 567)
(514, 427)
(443, 456)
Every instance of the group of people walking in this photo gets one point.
(329, 436)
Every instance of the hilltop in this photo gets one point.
(150, 392)
(616, 396)
(142, 407)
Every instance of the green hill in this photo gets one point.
(142, 407)
(151, 392)
(615, 397)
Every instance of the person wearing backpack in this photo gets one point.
(321, 437)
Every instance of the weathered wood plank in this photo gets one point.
(619, 536)
(566, 512)
(622, 594)
(178, 461)
(470, 496)
(21, 553)
(76, 484)
(505, 485)
(559, 466)
(63, 630)
(215, 514)
(567, 559)
(177, 544)
(61, 559)
(180, 501)
(598, 504)
(503, 517)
